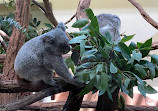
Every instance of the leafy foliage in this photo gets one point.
(105, 65)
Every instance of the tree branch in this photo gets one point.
(144, 14)
(70, 19)
(85, 104)
(4, 35)
(154, 45)
(49, 90)
(3, 43)
(83, 4)
(49, 13)
(37, 4)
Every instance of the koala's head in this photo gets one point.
(108, 19)
(56, 41)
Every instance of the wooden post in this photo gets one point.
(22, 15)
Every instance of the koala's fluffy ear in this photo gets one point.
(61, 26)
(48, 40)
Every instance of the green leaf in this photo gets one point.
(48, 25)
(140, 81)
(104, 83)
(139, 44)
(108, 37)
(80, 23)
(113, 69)
(131, 92)
(146, 47)
(150, 90)
(152, 73)
(142, 90)
(88, 87)
(77, 39)
(82, 47)
(109, 94)
(127, 82)
(89, 13)
(137, 55)
(141, 70)
(86, 65)
(148, 43)
(104, 54)
(75, 57)
(156, 68)
(155, 57)
(34, 20)
(38, 23)
(93, 51)
(132, 46)
(94, 23)
(70, 64)
(127, 38)
(97, 81)
(124, 50)
(85, 77)
(99, 67)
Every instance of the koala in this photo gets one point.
(40, 56)
(109, 23)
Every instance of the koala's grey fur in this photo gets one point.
(109, 23)
(38, 57)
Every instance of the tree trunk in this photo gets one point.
(105, 104)
(22, 15)
(74, 101)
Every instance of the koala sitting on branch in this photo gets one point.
(40, 56)
(109, 23)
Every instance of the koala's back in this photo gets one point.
(29, 59)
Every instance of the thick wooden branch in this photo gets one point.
(49, 90)
(56, 106)
(144, 14)
(83, 4)
(2, 58)
(11, 86)
(49, 13)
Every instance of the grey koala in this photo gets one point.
(109, 23)
(40, 56)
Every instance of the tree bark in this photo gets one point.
(16, 41)
(144, 14)
(106, 104)
(49, 14)
(74, 101)
(83, 4)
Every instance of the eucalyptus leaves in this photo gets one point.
(105, 65)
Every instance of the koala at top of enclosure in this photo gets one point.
(109, 23)
(40, 56)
